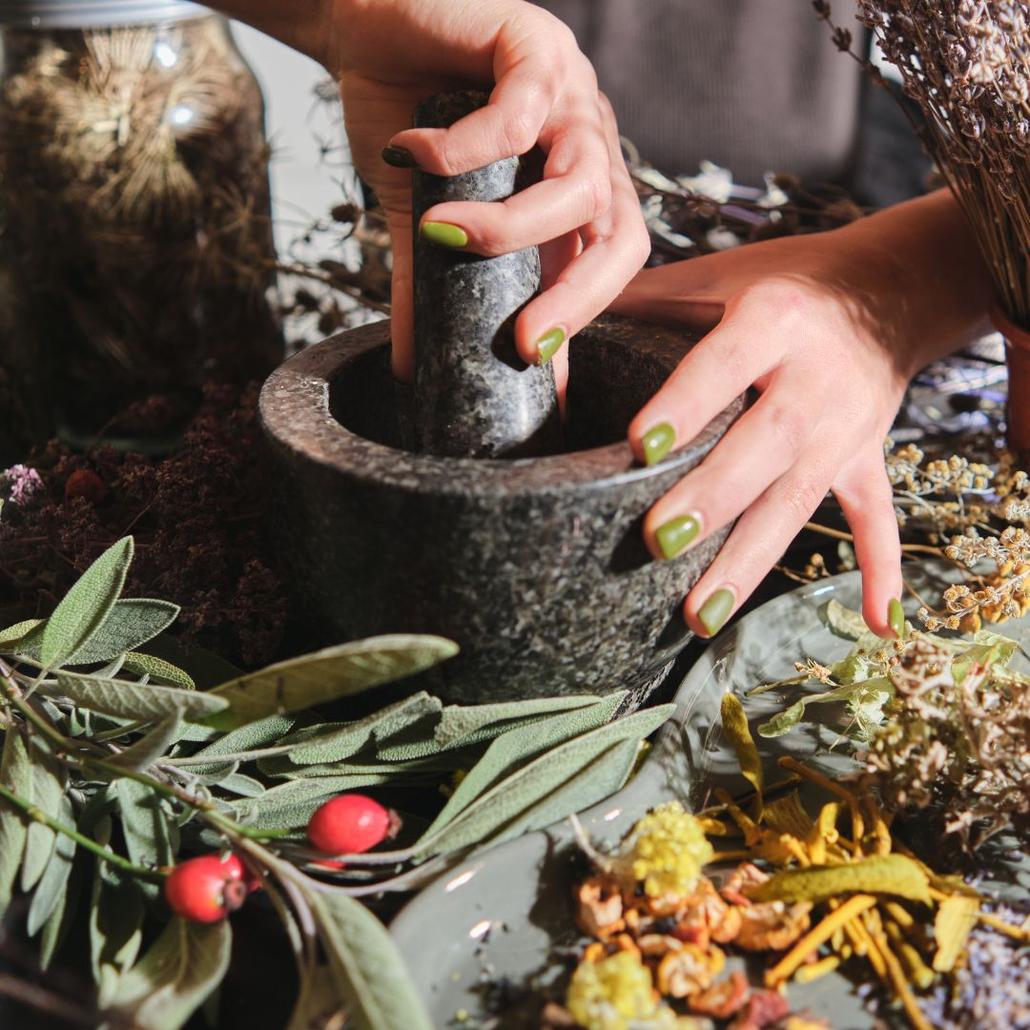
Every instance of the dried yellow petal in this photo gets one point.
(956, 916)
(734, 725)
(786, 815)
(879, 874)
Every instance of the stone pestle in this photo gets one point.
(474, 396)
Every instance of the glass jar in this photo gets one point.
(136, 253)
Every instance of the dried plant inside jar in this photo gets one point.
(136, 255)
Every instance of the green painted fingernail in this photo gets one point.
(676, 535)
(443, 234)
(657, 442)
(896, 617)
(716, 610)
(549, 344)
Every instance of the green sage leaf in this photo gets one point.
(783, 722)
(290, 805)
(318, 1001)
(142, 701)
(151, 836)
(58, 926)
(516, 745)
(11, 637)
(16, 775)
(366, 964)
(85, 607)
(130, 623)
(326, 675)
(51, 888)
(460, 721)
(158, 669)
(518, 792)
(47, 791)
(151, 747)
(174, 978)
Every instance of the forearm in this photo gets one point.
(304, 25)
(938, 272)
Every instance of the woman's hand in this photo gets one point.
(391, 54)
(828, 329)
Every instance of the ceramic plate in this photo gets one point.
(484, 940)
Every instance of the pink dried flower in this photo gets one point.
(23, 484)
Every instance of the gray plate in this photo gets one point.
(505, 913)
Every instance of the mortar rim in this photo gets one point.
(317, 436)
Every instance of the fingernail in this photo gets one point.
(549, 344)
(716, 610)
(676, 535)
(443, 234)
(896, 617)
(657, 442)
(398, 157)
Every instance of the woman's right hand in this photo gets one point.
(389, 55)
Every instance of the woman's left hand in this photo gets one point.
(827, 329)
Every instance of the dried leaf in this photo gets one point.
(173, 979)
(367, 966)
(956, 917)
(787, 815)
(783, 722)
(734, 725)
(137, 701)
(326, 675)
(879, 874)
(845, 622)
(85, 607)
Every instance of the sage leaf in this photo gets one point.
(737, 731)
(151, 747)
(138, 701)
(366, 965)
(173, 979)
(845, 622)
(250, 737)
(130, 623)
(60, 922)
(49, 891)
(16, 775)
(783, 722)
(460, 721)
(158, 669)
(243, 786)
(150, 834)
(516, 793)
(47, 791)
(591, 785)
(85, 607)
(321, 745)
(14, 635)
(878, 874)
(291, 804)
(520, 743)
(326, 675)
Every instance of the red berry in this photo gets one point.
(206, 889)
(87, 484)
(349, 824)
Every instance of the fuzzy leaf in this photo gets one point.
(845, 622)
(520, 743)
(158, 669)
(16, 774)
(46, 900)
(250, 737)
(152, 746)
(590, 786)
(367, 966)
(290, 805)
(998, 651)
(956, 917)
(879, 874)
(130, 623)
(459, 721)
(783, 722)
(85, 607)
(173, 979)
(115, 921)
(242, 786)
(326, 675)
(47, 791)
(318, 745)
(734, 725)
(14, 635)
(150, 835)
(142, 701)
(517, 793)
(57, 927)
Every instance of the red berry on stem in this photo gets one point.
(206, 889)
(349, 824)
(87, 484)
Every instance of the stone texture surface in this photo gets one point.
(474, 396)
(536, 567)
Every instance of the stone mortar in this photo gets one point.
(535, 566)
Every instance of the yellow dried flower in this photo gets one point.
(612, 994)
(667, 849)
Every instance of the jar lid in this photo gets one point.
(89, 14)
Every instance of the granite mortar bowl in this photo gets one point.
(535, 566)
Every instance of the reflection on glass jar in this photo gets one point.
(136, 257)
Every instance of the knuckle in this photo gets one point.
(789, 425)
(803, 496)
(519, 131)
(599, 195)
